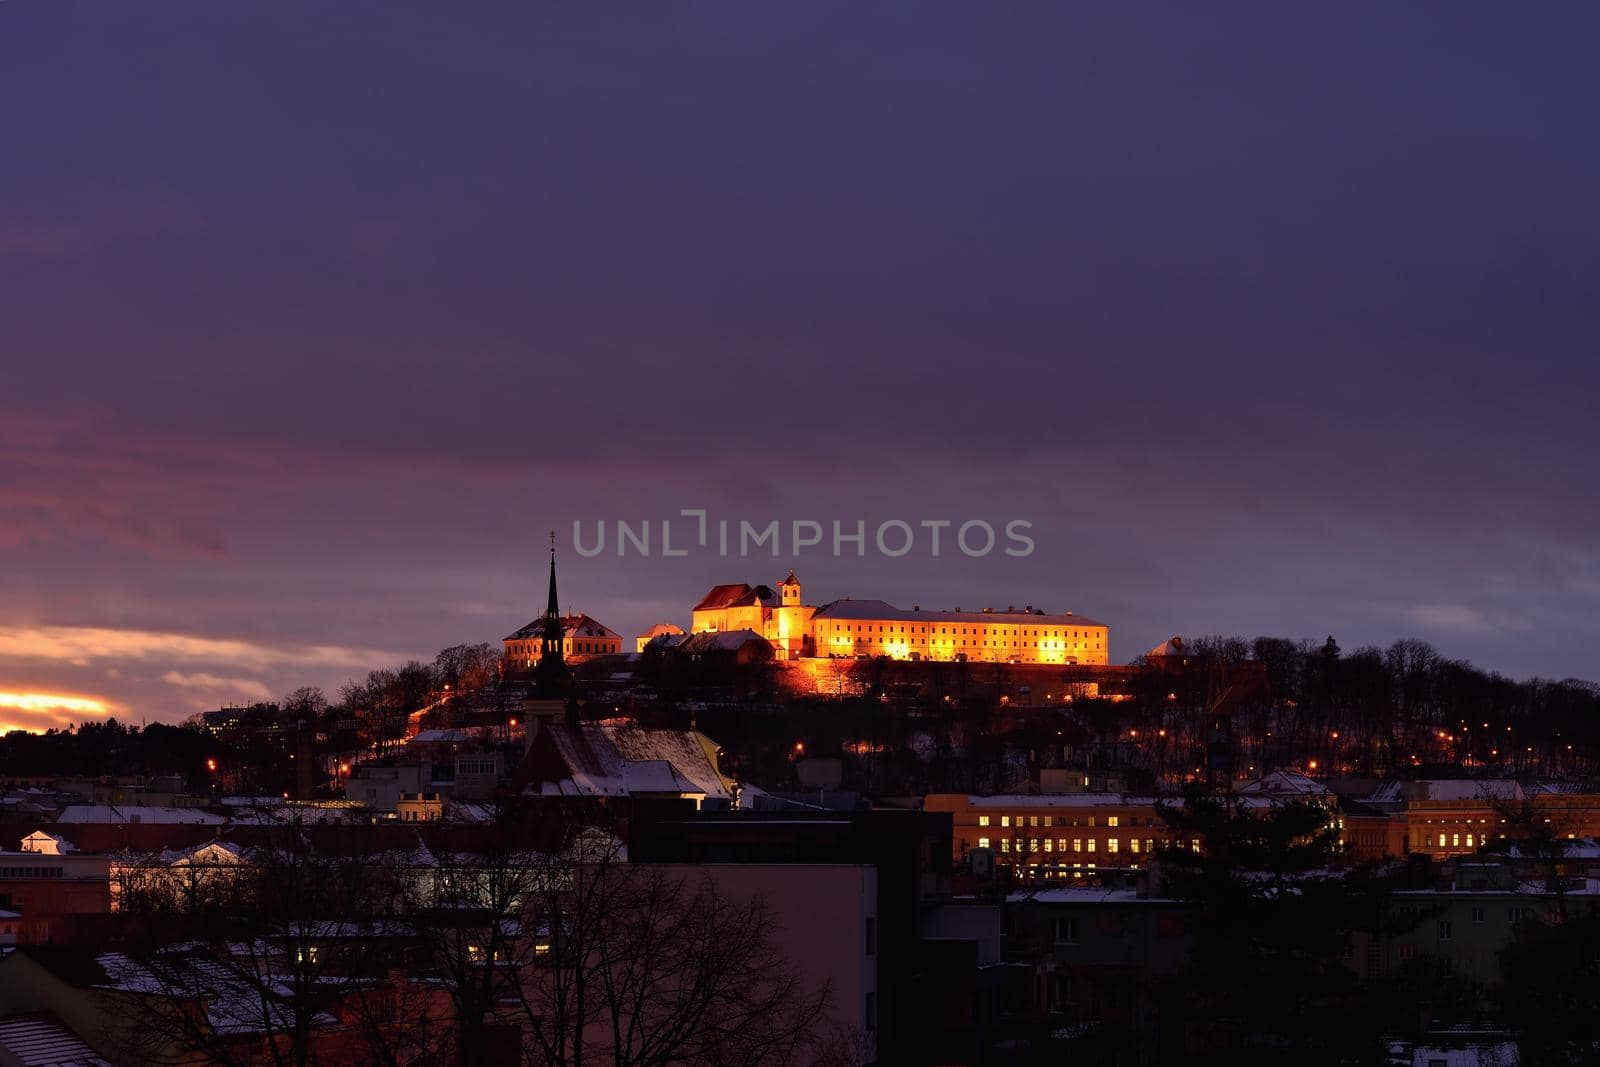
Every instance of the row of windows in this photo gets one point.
(30, 872)
(975, 631)
(1079, 844)
(1033, 820)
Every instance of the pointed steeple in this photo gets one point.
(550, 676)
(553, 608)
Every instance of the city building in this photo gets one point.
(865, 628)
(582, 638)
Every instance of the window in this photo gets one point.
(1477, 915)
(1005, 820)
(1077, 844)
(1408, 951)
(1067, 930)
(1048, 843)
(1111, 845)
(983, 842)
(1444, 929)
(1091, 844)
(1005, 844)
(1111, 820)
(1033, 820)
(1133, 844)
(872, 935)
(1441, 840)
(983, 820)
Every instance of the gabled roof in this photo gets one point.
(740, 595)
(718, 641)
(661, 628)
(571, 626)
(1284, 783)
(591, 760)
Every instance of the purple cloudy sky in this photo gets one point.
(315, 317)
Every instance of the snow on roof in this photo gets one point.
(40, 1040)
(443, 736)
(594, 761)
(662, 628)
(1172, 646)
(1471, 789)
(654, 776)
(111, 813)
(1062, 800)
(716, 641)
(1284, 782)
(1085, 894)
(571, 626)
(882, 609)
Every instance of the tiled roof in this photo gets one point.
(571, 626)
(737, 595)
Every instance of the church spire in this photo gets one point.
(550, 677)
(552, 610)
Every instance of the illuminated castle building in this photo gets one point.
(852, 628)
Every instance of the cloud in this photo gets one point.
(43, 711)
(82, 645)
(249, 687)
(1461, 619)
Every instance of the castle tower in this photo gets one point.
(790, 626)
(790, 588)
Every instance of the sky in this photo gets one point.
(315, 319)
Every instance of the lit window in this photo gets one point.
(1441, 840)
(1091, 844)
(1048, 843)
(983, 842)
(1111, 845)
(1077, 844)
(1111, 820)
(1133, 844)
(1005, 844)
(1005, 820)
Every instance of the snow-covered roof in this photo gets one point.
(112, 813)
(1284, 783)
(1471, 789)
(571, 626)
(596, 761)
(1062, 800)
(40, 1040)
